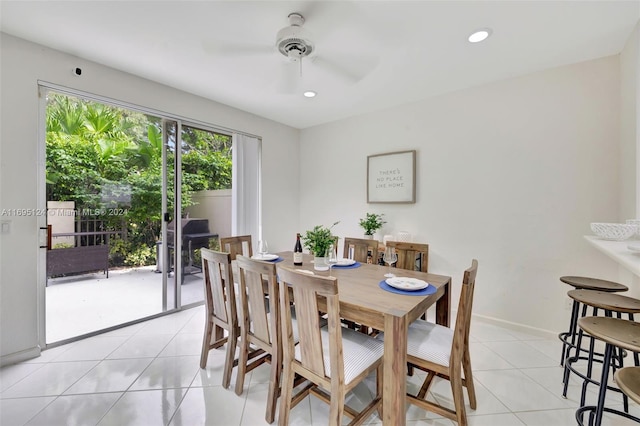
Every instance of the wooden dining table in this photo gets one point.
(363, 301)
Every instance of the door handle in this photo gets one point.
(47, 235)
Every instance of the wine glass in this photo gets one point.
(390, 257)
(263, 248)
(330, 257)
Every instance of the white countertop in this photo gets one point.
(618, 251)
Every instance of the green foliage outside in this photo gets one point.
(109, 161)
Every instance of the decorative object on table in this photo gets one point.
(391, 177)
(297, 251)
(263, 248)
(390, 257)
(317, 241)
(613, 231)
(371, 223)
(331, 257)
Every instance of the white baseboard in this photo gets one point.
(516, 326)
(20, 356)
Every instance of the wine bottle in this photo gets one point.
(297, 252)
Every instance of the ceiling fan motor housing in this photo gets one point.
(293, 41)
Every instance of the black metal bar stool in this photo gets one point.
(619, 334)
(568, 338)
(628, 380)
(610, 303)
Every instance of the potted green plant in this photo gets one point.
(317, 241)
(371, 223)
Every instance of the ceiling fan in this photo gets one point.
(297, 45)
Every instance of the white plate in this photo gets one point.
(634, 247)
(345, 262)
(406, 283)
(265, 257)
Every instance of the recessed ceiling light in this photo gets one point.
(310, 94)
(479, 35)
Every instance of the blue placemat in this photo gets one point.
(424, 292)
(355, 265)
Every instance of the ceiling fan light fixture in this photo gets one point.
(309, 94)
(293, 41)
(480, 35)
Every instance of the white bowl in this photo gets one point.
(613, 231)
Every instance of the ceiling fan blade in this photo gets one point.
(236, 49)
(352, 69)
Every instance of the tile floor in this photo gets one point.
(148, 374)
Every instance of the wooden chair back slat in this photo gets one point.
(463, 317)
(306, 290)
(237, 245)
(217, 275)
(252, 275)
(361, 248)
(408, 252)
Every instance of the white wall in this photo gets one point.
(22, 64)
(629, 135)
(510, 173)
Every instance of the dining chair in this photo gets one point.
(259, 326)
(221, 309)
(444, 352)
(361, 248)
(237, 245)
(333, 359)
(411, 256)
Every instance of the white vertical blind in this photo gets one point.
(246, 210)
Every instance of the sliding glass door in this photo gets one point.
(110, 181)
(131, 198)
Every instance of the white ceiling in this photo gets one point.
(371, 55)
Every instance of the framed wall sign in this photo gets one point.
(391, 177)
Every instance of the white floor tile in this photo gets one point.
(209, 406)
(110, 376)
(483, 358)
(154, 407)
(485, 332)
(142, 346)
(166, 373)
(20, 411)
(93, 348)
(50, 380)
(496, 420)
(521, 355)
(12, 374)
(75, 410)
(519, 392)
(487, 403)
(183, 344)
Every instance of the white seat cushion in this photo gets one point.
(428, 341)
(359, 351)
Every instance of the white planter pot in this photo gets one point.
(368, 237)
(319, 265)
